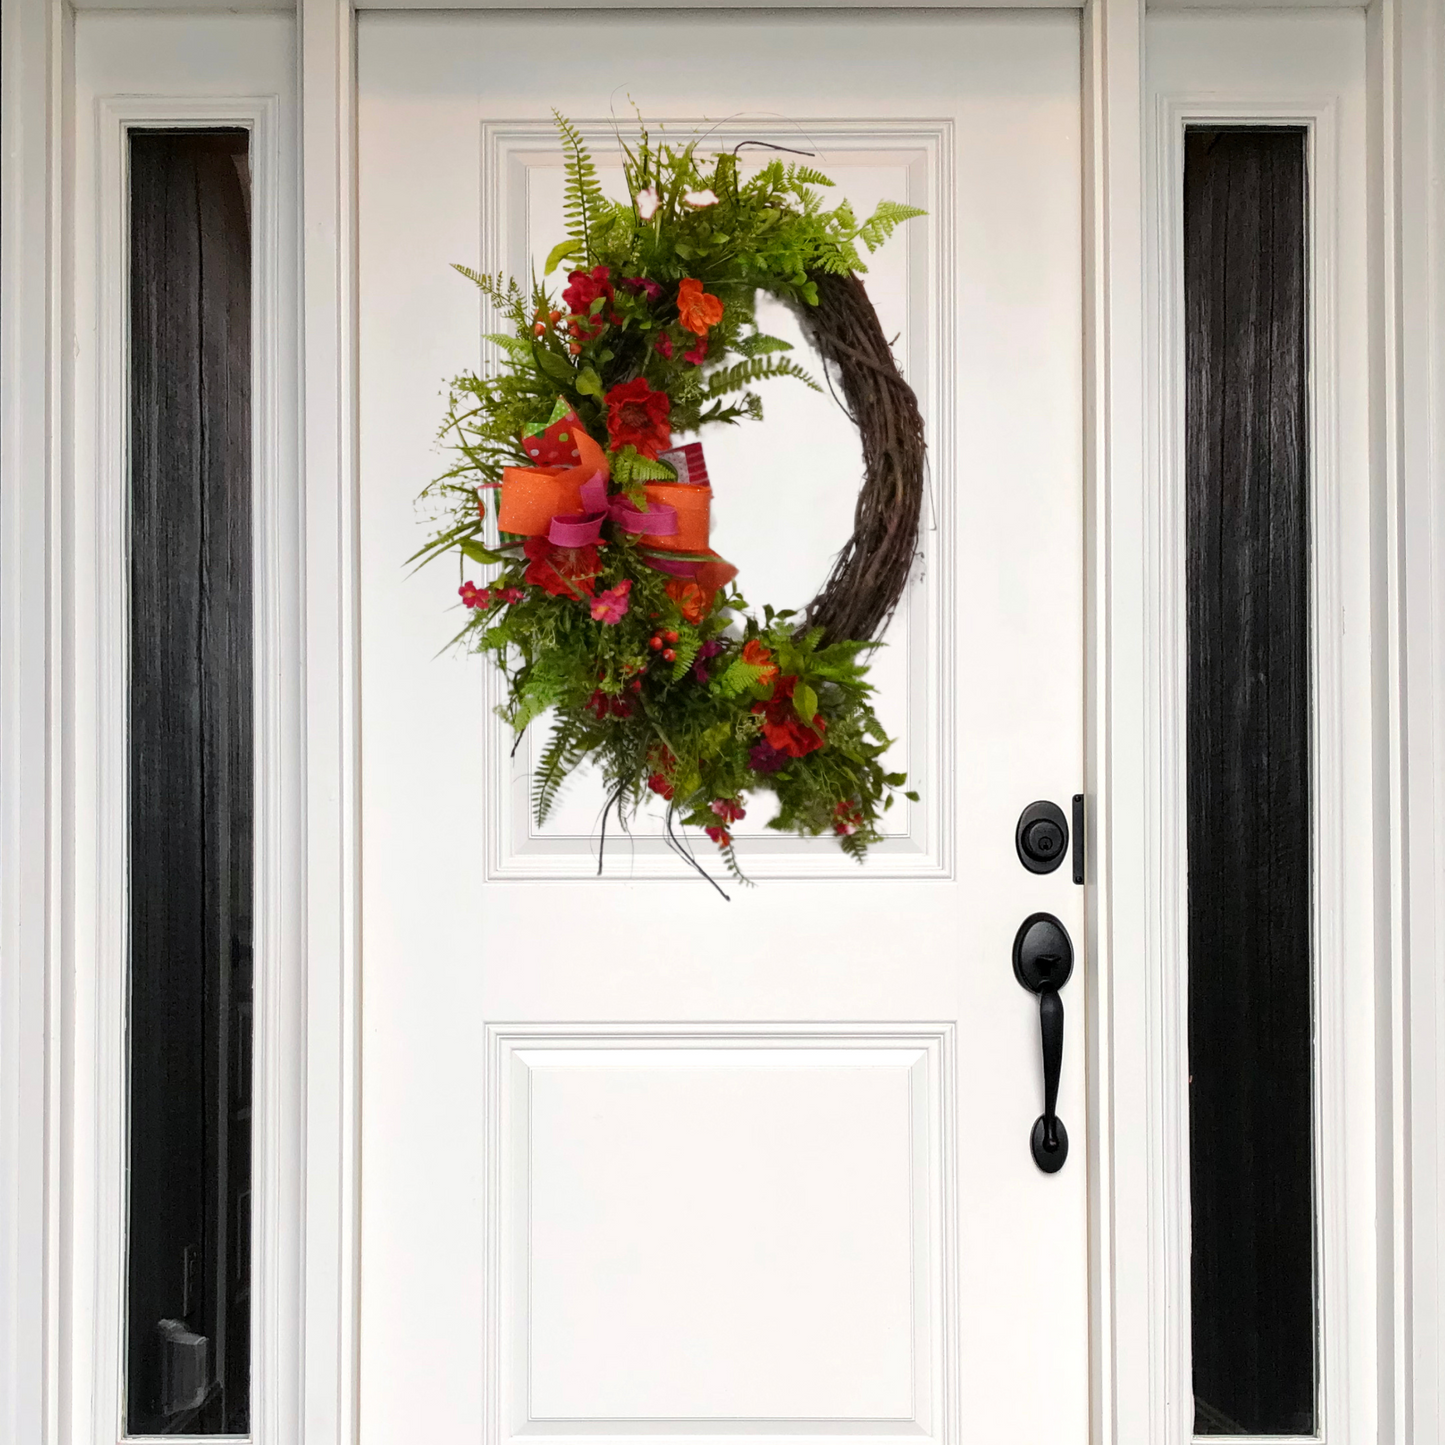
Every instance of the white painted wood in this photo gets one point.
(1301, 69)
(123, 80)
(1407, 50)
(449, 952)
(326, 63)
(34, 40)
(1131, 1322)
(575, 1115)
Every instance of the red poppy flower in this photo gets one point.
(637, 416)
(782, 726)
(562, 571)
(696, 309)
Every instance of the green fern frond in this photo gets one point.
(629, 468)
(888, 216)
(583, 200)
(760, 345)
(757, 368)
(559, 759)
(807, 176)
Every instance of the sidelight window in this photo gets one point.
(188, 1265)
(1251, 963)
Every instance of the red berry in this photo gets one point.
(670, 636)
(539, 330)
(654, 642)
(668, 655)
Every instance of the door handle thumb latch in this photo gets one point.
(1043, 961)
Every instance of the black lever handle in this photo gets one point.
(1043, 960)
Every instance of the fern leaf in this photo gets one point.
(583, 201)
(757, 368)
(559, 758)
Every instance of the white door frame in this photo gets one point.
(1136, 1190)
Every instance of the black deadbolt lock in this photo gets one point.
(1042, 837)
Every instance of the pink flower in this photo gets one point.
(663, 346)
(719, 835)
(610, 607)
(728, 809)
(510, 594)
(698, 354)
(474, 596)
(650, 289)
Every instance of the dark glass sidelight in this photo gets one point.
(188, 1267)
(1250, 953)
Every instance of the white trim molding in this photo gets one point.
(326, 48)
(1407, 145)
(35, 42)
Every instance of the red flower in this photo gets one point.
(698, 354)
(637, 416)
(720, 836)
(848, 818)
(663, 346)
(604, 704)
(474, 596)
(585, 287)
(728, 809)
(697, 310)
(562, 571)
(782, 726)
(660, 785)
(582, 290)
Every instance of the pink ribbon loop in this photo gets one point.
(581, 529)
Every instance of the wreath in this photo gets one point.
(607, 607)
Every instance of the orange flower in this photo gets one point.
(692, 601)
(696, 309)
(755, 653)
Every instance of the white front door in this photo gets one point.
(639, 1162)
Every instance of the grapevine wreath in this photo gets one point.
(609, 608)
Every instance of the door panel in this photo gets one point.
(640, 1162)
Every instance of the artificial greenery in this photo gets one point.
(672, 685)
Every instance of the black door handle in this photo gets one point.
(1043, 960)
